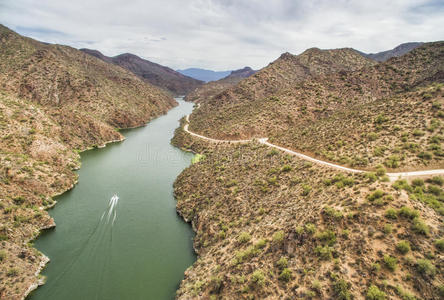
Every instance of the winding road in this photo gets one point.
(392, 176)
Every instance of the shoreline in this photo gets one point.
(45, 259)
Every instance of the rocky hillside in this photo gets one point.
(54, 101)
(395, 52)
(153, 73)
(271, 226)
(213, 88)
(364, 115)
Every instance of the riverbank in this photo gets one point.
(36, 166)
(126, 169)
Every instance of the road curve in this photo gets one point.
(392, 176)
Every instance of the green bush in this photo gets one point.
(438, 180)
(417, 182)
(310, 228)
(390, 262)
(285, 275)
(324, 252)
(391, 213)
(407, 212)
(333, 213)
(403, 247)
(439, 244)
(258, 278)
(2, 255)
(420, 227)
(282, 262)
(306, 189)
(375, 195)
(388, 228)
(278, 237)
(374, 293)
(393, 161)
(327, 236)
(12, 272)
(286, 168)
(425, 267)
(341, 290)
(244, 237)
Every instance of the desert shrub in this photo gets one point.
(341, 290)
(425, 267)
(375, 195)
(391, 213)
(380, 119)
(272, 152)
(418, 132)
(260, 244)
(310, 228)
(388, 228)
(439, 244)
(376, 267)
(278, 237)
(393, 161)
(372, 136)
(282, 262)
(2, 255)
(244, 237)
(306, 189)
(286, 168)
(380, 171)
(285, 275)
(374, 293)
(324, 252)
(402, 184)
(425, 155)
(417, 182)
(438, 180)
(403, 247)
(333, 213)
(407, 212)
(420, 227)
(390, 262)
(258, 278)
(12, 272)
(18, 200)
(327, 236)
(433, 189)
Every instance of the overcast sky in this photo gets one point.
(224, 34)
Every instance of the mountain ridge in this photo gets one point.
(151, 72)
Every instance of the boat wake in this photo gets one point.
(98, 244)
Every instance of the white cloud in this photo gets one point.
(224, 34)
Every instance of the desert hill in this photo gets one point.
(54, 102)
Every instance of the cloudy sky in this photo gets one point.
(224, 34)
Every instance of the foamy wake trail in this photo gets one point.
(112, 208)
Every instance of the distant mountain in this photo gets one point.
(156, 74)
(241, 73)
(204, 75)
(212, 88)
(395, 52)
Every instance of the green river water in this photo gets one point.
(140, 248)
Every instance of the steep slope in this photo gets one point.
(270, 226)
(213, 88)
(395, 52)
(54, 101)
(346, 116)
(153, 73)
(203, 74)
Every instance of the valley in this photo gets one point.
(318, 176)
